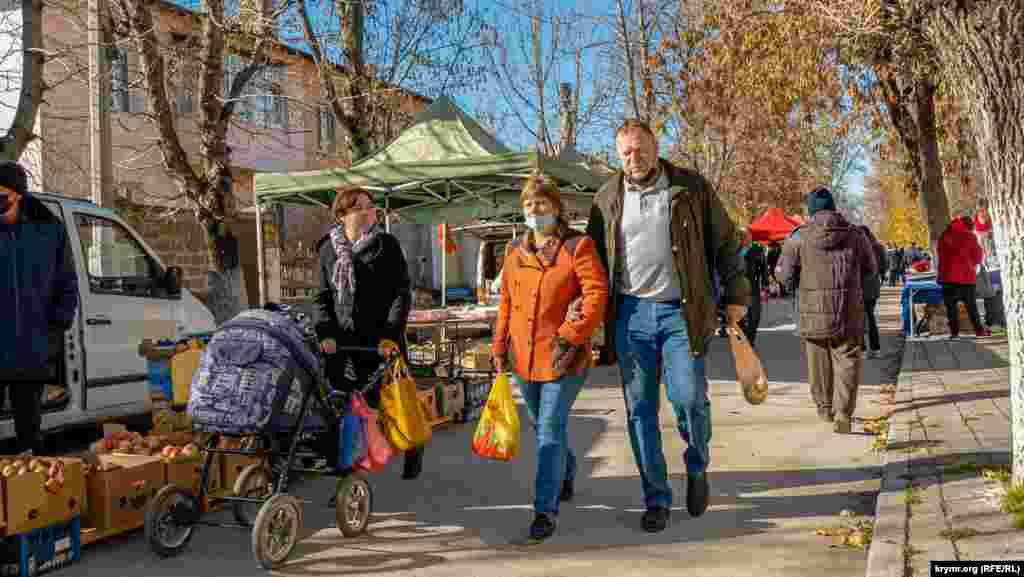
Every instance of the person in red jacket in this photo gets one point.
(959, 257)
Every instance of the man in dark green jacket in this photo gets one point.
(662, 233)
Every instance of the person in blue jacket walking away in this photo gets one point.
(39, 288)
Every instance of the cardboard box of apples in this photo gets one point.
(39, 492)
(183, 467)
(180, 456)
(118, 488)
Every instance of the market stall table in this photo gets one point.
(455, 318)
(925, 289)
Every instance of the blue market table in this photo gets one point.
(928, 291)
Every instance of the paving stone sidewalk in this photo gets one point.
(950, 422)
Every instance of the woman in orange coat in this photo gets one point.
(547, 349)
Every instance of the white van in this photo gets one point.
(125, 294)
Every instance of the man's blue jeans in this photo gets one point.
(647, 332)
(548, 404)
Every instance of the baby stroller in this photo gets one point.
(261, 378)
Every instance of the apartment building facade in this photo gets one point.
(280, 125)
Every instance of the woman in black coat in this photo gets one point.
(364, 298)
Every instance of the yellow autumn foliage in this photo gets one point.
(905, 226)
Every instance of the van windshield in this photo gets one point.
(116, 261)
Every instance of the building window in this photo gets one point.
(232, 67)
(262, 101)
(328, 129)
(119, 94)
(122, 98)
(271, 105)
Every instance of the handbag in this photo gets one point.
(983, 283)
(378, 450)
(402, 417)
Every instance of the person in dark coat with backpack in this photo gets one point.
(364, 299)
(39, 290)
(832, 258)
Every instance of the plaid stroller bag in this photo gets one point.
(253, 375)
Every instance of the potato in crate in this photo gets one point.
(42, 550)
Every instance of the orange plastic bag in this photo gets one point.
(378, 450)
(497, 434)
(749, 370)
(402, 417)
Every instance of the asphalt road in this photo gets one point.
(777, 475)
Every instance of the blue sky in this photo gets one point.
(511, 22)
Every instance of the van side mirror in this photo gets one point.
(172, 280)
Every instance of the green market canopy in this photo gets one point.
(444, 168)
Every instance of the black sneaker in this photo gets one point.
(655, 519)
(697, 490)
(567, 492)
(543, 526)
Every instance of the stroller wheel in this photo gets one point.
(352, 505)
(276, 530)
(253, 482)
(169, 520)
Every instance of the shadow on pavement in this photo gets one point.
(777, 349)
(961, 355)
(466, 507)
(937, 400)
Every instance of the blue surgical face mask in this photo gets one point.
(539, 221)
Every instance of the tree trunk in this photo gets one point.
(911, 106)
(20, 132)
(227, 295)
(980, 45)
(934, 205)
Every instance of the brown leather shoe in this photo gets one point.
(826, 414)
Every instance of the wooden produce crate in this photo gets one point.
(477, 360)
(428, 400)
(30, 506)
(167, 420)
(186, 474)
(118, 496)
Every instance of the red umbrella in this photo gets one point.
(772, 226)
(796, 219)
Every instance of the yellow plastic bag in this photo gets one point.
(497, 433)
(401, 416)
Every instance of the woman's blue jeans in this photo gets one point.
(548, 404)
